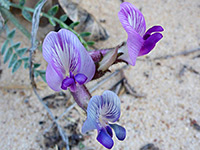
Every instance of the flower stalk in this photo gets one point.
(82, 96)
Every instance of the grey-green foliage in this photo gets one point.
(5, 3)
(26, 15)
(9, 50)
(22, 2)
(15, 55)
(52, 11)
(63, 18)
(84, 34)
(90, 43)
(74, 24)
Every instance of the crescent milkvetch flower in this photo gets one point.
(139, 43)
(100, 111)
(69, 63)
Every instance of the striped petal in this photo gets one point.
(53, 53)
(100, 110)
(80, 61)
(134, 44)
(66, 54)
(131, 18)
(110, 106)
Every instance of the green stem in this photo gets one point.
(64, 25)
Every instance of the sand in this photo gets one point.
(171, 85)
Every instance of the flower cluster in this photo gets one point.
(70, 66)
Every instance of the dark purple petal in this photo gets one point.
(66, 83)
(53, 79)
(71, 74)
(73, 87)
(119, 131)
(80, 78)
(105, 139)
(151, 30)
(109, 130)
(131, 18)
(150, 43)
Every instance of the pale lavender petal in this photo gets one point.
(66, 83)
(53, 79)
(151, 30)
(89, 125)
(110, 106)
(132, 48)
(71, 48)
(80, 78)
(92, 121)
(131, 18)
(53, 54)
(119, 131)
(106, 106)
(79, 59)
(105, 139)
(48, 46)
(150, 43)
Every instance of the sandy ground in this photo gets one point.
(163, 117)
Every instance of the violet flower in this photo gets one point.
(69, 63)
(100, 111)
(139, 43)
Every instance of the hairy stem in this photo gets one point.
(82, 96)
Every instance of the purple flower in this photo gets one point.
(100, 111)
(69, 63)
(139, 43)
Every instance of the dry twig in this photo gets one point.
(183, 53)
(35, 24)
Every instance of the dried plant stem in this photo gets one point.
(183, 53)
(62, 133)
(64, 113)
(35, 24)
